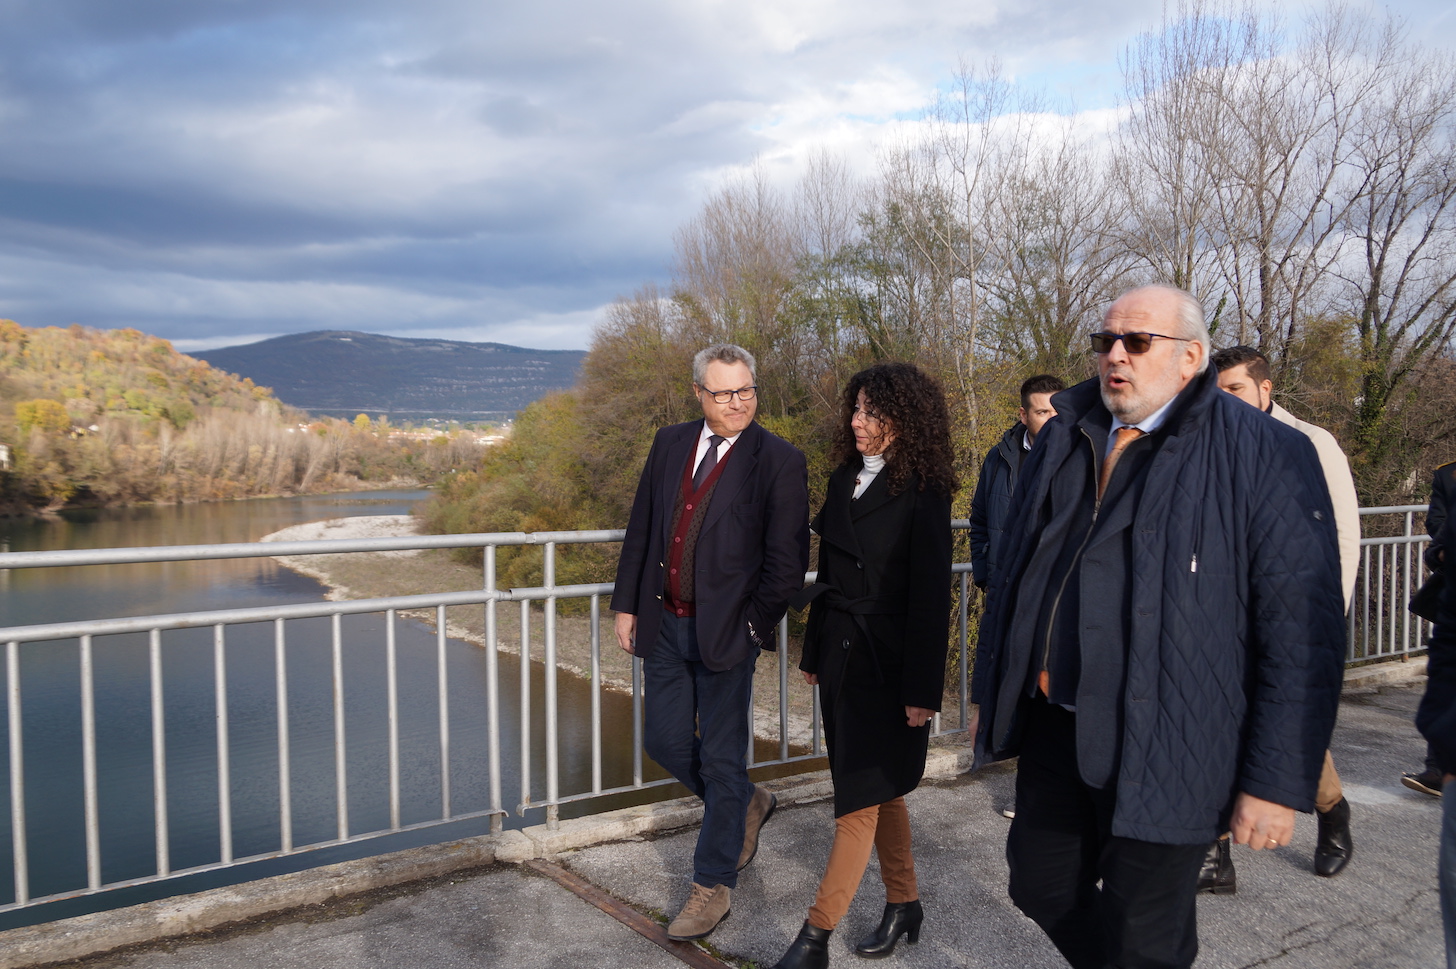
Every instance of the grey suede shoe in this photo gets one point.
(760, 809)
(700, 915)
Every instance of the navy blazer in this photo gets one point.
(752, 552)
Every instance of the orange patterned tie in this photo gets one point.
(1123, 437)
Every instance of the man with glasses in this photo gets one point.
(717, 544)
(1162, 645)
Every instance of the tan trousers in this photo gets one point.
(886, 828)
(1329, 793)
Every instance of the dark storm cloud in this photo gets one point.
(212, 170)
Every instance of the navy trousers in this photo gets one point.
(697, 729)
(1143, 913)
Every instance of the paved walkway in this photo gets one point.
(1381, 912)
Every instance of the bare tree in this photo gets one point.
(1400, 284)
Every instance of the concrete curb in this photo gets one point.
(87, 935)
(1381, 674)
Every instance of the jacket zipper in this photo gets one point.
(1046, 653)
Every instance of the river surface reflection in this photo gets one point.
(51, 710)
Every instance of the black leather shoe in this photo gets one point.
(809, 951)
(1333, 850)
(1217, 875)
(900, 918)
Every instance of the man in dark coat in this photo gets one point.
(999, 470)
(1443, 495)
(1436, 717)
(1162, 645)
(717, 544)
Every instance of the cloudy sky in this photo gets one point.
(221, 171)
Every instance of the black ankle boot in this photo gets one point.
(900, 918)
(809, 951)
(1217, 875)
(1333, 849)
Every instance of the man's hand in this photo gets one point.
(811, 678)
(1261, 824)
(918, 716)
(627, 632)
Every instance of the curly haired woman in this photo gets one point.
(876, 640)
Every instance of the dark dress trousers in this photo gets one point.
(877, 632)
(751, 553)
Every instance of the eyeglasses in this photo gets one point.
(1131, 342)
(724, 396)
(865, 414)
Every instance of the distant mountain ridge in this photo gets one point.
(341, 373)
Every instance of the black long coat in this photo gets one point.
(877, 635)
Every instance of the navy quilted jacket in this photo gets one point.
(1232, 658)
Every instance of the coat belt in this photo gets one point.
(877, 605)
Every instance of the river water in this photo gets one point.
(51, 707)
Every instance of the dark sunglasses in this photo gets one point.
(1131, 342)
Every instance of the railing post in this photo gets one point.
(525, 702)
(553, 786)
(391, 673)
(596, 692)
(159, 755)
(88, 766)
(492, 695)
(783, 658)
(341, 766)
(224, 750)
(285, 752)
(21, 861)
(443, 699)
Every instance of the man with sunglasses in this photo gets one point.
(1162, 645)
(717, 544)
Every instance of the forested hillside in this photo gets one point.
(1296, 178)
(113, 417)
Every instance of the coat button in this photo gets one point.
(674, 571)
(677, 540)
(859, 565)
(689, 507)
(846, 644)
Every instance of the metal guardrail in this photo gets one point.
(1392, 568)
(1379, 626)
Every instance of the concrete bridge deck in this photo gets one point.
(507, 905)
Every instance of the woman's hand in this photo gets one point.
(811, 678)
(918, 716)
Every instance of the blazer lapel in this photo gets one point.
(742, 459)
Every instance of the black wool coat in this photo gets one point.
(877, 632)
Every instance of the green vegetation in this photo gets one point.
(117, 417)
